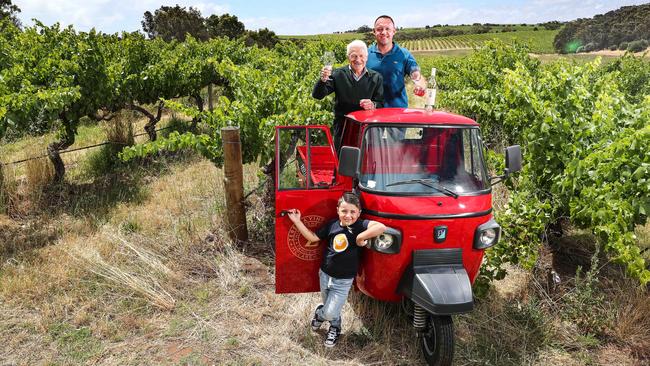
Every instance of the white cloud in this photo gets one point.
(209, 9)
(105, 15)
(296, 25)
(117, 15)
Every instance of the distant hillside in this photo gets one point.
(407, 35)
(627, 28)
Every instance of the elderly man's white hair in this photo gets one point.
(357, 44)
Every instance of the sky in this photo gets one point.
(314, 17)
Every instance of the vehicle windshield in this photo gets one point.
(423, 160)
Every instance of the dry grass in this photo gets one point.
(154, 280)
(39, 175)
(137, 269)
(632, 323)
(20, 194)
(120, 130)
(4, 191)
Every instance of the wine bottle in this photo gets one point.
(432, 88)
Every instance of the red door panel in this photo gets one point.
(305, 172)
(296, 260)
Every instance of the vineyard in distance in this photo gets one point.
(118, 254)
(464, 37)
(540, 41)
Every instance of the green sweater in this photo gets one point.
(349, 92)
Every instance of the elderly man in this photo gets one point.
(354, 87)
(393, 63)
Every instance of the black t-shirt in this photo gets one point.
(342, 254)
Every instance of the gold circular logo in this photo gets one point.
(340, 243)
(307, 251)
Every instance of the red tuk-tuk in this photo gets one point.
(422, 174)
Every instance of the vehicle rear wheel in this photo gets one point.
(438, 340)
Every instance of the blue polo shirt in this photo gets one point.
(393, 66)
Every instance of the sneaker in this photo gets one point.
(316, 322)
(332, 336)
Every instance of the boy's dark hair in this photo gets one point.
(384, 16)
(350, 198)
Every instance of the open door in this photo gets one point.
(306, 179)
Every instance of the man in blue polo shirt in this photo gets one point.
(393, 63)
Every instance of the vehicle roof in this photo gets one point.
(410, 115)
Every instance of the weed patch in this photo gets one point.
(503, 332)
(75, 344)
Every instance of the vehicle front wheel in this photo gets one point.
(438, 340)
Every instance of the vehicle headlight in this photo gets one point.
(389, 242)
(384, 241)
(487, 235)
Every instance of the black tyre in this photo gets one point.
(438, 341)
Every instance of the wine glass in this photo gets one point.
(328, 59)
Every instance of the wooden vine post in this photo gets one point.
(234, 184)
(210, 101)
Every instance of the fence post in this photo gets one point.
(234, 184)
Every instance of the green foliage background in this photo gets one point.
(584, 134)
(584, 129)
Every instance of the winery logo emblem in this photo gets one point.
(298, 245)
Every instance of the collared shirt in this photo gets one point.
(357, 78)
(393, 66)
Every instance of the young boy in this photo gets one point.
(340, 259)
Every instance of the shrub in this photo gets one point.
(613, 47)
(637, 46)
(590, 47)
(622, 46)
(586, 305)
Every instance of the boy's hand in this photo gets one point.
(362, 242)
(294, 215)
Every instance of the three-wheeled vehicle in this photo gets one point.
(423, 175)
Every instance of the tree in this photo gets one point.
(263, 38)
(9, 11)
(171, 23)
(364, 29)
(627, 24)
(225, 25)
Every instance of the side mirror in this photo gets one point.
(349, 161)
(513, 159)
(513, 164)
